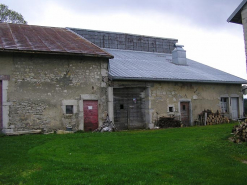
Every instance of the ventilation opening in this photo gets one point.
(170, 109)
(69, 109)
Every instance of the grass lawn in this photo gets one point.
(193, 155)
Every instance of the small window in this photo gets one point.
(121, 106)
(69, 109)
(170, 109)
(184, 107)
(224, 105)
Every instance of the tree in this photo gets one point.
(10, 16)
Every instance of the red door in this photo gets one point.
(1, 110)
(90, 109)
(185, 113)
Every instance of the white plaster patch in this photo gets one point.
(195, 97)
(104, 72)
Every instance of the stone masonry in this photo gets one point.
(39, 84)
(159, 96)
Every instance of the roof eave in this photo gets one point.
(235, 17)
(55, 53)
(178, 80)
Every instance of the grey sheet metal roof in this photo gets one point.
(41, 39)
(236, 17)
(138, 65)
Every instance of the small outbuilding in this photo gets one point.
(50, 79)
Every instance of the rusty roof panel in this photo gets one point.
(20, 37)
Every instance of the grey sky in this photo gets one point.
(203, 13)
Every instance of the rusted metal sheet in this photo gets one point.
(90, 109)
(29, 38)
(185, 113)
(1, 105)
(129, 107)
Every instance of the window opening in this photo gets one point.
(224, 105)
(121, 106)
(184, 107)
(69, 109)
(170, 109)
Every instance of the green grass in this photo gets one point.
(194, 155)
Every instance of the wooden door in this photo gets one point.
(1, 105)
(185, 113)
(90, 109)
(129, 108)
(234, 106)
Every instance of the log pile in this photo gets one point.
(240, 133)
(107, 126)
(165, 122)
(212, 118)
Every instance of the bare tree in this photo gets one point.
(10, 16)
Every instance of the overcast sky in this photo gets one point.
(199, 25)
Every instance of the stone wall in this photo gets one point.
(201, 96)
(162, 95)
(40, 84)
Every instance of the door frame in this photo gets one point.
(1, 105)
(190, 109)
(97, 113)
(238, 109)
(89, 97)
(5, 104)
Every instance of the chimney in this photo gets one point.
(179, 55)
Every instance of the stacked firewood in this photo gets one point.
(217, 119)
(240, 133)
(165, 122)
(213, 118)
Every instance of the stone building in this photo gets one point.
(239, 16)
(58, 78)
(50, 78)
(151, 77)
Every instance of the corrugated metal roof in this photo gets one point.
(29, 38)
(136, 65)
(236, 17)
(126, 41)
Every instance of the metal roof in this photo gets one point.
(126, 41)
(236, 15)
(137, 65)
(40, 39)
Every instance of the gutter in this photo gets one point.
(178, 80)
(56, 53)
